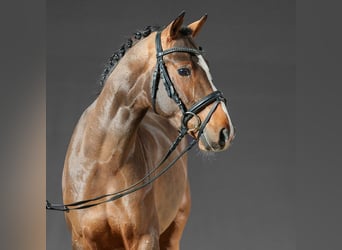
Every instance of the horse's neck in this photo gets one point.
(111, 122)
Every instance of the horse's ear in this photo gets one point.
(175, 25)
(196, 26)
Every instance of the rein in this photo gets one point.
(160, 71)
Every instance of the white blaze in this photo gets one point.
(205, 67)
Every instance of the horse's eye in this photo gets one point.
(184, 71)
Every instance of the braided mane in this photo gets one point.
(117, 55)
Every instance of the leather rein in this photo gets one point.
(160, 72)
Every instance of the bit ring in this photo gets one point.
(187, 117)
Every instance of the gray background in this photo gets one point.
(242, 198)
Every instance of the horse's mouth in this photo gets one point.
(205, 143)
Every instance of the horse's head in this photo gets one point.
(189, 95)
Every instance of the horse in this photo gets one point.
(156, 87)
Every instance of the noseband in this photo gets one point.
(187, 114)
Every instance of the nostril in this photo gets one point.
(224, 135)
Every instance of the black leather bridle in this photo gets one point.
(161, 71)
(187, 114)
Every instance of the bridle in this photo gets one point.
(161, 71)
(187, 114)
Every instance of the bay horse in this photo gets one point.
(128, 129)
